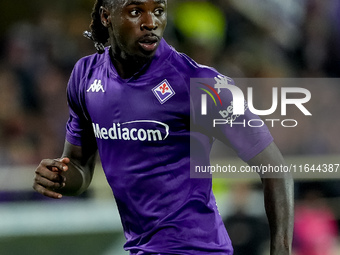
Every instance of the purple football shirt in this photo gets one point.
(142, 130)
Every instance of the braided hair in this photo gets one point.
(99, 34)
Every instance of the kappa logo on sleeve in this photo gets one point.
(163, 91)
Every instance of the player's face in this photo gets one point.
(137, 26)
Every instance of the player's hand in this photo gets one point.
(48, 179)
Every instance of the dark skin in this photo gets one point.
(135, 29)
(279, 200)
(145, 21)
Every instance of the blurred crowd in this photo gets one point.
(258, 39)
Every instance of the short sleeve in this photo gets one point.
(247, 134)
(78, 126)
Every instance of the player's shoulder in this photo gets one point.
(87, 63)
(190, 67)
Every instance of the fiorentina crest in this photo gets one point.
(163, 91)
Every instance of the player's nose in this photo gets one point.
(149, 22)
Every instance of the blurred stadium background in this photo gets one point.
(40, 42)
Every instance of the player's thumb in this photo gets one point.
(65, 161)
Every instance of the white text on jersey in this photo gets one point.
(128, 131)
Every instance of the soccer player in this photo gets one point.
(131, 102)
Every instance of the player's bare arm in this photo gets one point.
(70, 175)
(279, 201)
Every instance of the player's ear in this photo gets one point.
(105, 16)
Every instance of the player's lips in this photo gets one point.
(149, 42)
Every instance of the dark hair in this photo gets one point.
(99, 34)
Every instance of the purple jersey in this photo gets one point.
(142, 128)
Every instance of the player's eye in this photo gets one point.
(135, 13)
(159, 11)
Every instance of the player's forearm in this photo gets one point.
(80, 169)
(279, 204)
(279, 200)
(77, 179)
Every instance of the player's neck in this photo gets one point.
(127, 66)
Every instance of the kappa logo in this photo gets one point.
(163, 91)
(96, 86)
